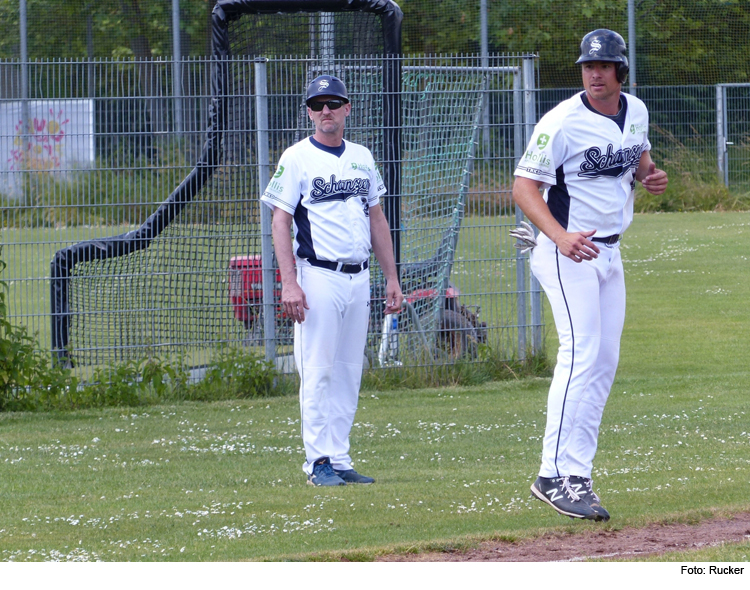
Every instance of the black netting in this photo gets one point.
(303, 34)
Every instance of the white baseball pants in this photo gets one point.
(588, 304)
(329, 349)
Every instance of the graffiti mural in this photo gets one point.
(58, 138)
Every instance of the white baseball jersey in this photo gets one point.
(587, 163)
(329, 191)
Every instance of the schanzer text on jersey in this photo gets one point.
(611, 163)
(587, 162)
(338, 190)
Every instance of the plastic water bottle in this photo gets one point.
(388, 353)
(393, 338)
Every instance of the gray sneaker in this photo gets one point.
(556, 492)
(584, 487)
(351, 476)
(323, 474)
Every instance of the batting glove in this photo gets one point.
(525, 236)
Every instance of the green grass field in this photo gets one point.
(453, 466)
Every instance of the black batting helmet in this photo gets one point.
(326, 85)
(605, 45)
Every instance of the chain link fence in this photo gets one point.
(94, 168)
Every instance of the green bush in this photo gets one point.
(27, 377)
(232, 374)
(694, 184)
(132, 383)
(235, 374)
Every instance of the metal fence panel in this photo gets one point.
(737, 135)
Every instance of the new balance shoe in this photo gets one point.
(323, 474)
(351, 476)
(584, 487)
(556, 492)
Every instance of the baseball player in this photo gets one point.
(586, 154)
(329, 189)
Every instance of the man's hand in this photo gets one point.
(655, 181)
(577, 246)
(294, 301)
(573, 245)
(394, 298)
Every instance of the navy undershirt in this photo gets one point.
(619, 118)
(336, 151)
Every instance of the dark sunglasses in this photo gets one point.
(331, 104)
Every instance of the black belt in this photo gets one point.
(609, 240)
(351, 269)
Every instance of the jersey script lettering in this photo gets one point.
(612, 163)
(338, 190)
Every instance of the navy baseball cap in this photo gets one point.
(326, 85)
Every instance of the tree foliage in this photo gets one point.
(678, 42)
(699, 42)
(109, 28)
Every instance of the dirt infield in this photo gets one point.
(603, 544)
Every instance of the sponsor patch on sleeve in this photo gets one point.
(535, 159)
(275, 187)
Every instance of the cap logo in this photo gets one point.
(323, 85)
(595, 46)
